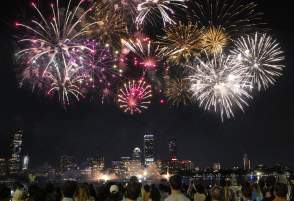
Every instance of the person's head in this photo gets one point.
(246, 191)
(217, 193)
(281, 190)
(154, 193)
(82, 193)
(4, 193)
(134, 179)
(200, 189)
(114, 189)
(133, 190)
(69, 189)
(175, 182)
(147, 188)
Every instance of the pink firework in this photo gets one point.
(135, 96)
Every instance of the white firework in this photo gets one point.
(218, 85)
(149, 10)
(261, 56)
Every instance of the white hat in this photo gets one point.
(113, 189)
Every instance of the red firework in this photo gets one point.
(135, 96)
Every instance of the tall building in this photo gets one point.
(136, 156)
(172, 149)
(96, 164)
(149, 149)
(216, 167)
(25, 162)
(67, 163)
(16, 147)
(246, 162)
(3, 167)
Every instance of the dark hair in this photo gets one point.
(246, 190)
(200, 189)
(217, 193)
(4, 192)
(154, 193)
(133, 190)
(147, 188)
(69, 189)
(175, 182)
(281, 190)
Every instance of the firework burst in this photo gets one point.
(110, 26)
(181, 43)
(135, 96)
(214, 40)
(218, 85)
(177, 92)
(235, 16)
(58, 37)
(150, 10)
(261, 56)
(147, 53)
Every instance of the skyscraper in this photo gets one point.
(246, 162)
(149, 149)
(16, 147)
(136, 156)
(172, 149)
(3, 167)
(67, 163)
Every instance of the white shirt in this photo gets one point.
(177, 196)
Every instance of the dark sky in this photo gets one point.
(264, 132)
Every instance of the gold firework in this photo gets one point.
(181, 43)
(214, 40)
(110, 27)
(177, 92)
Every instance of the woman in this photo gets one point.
(83, 193)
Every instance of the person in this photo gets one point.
(82, 193)
(164, 191)
(68, 191)
(281, 191)
(114, 193)
(256, 192)
(200, 193)
(246, 192)
(229, 194)
(268, 195)
(4, 193)
(154, 193)
(176, 194)
(133, 191)
(217, 193)
(19, 194)
(146, 192)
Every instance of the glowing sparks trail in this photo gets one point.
(178, 92)
(57, 37)
(217, 84)
(146, 51)
(134, 96)
(261, 57)
(235, 16)
(110, 27)
(150, 9)
(182, 43)
(214, 40)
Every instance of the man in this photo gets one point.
(68, 191)
(176, 194)
(133, 191)
(246, 192)
(281, 191)
(217, 193)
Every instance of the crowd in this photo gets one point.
(174, 190)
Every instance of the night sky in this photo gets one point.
(264, 132)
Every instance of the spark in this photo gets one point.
(134, 96)
(214, 40)
(150, 10)
(181, 43)
(218, 85)
(261, 56)
(178, 91)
